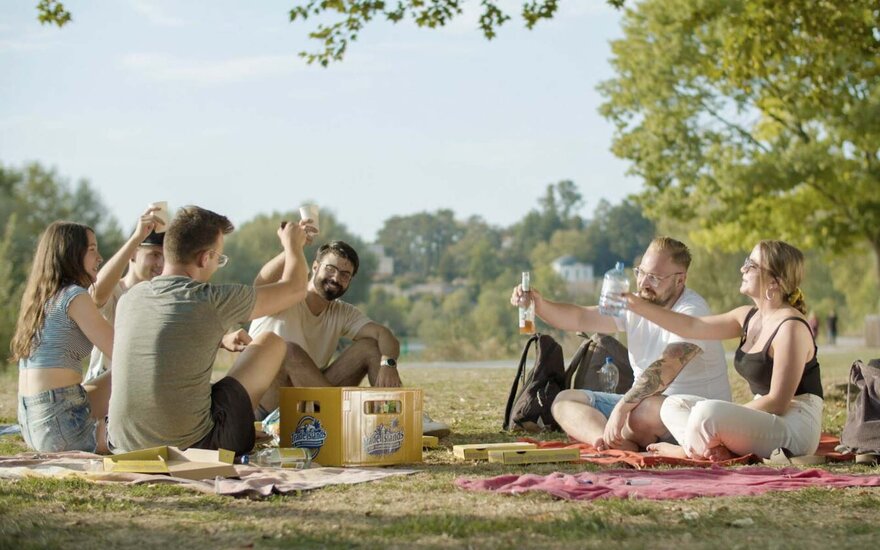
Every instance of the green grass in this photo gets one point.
(425, 510)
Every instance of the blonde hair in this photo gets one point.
(677, 251)
(784, 263)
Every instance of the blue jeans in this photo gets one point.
(58, 420)
(602, 401)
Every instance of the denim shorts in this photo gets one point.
(602, 401)
(58, 420)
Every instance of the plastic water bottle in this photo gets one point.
(608, 376)
(616, 283)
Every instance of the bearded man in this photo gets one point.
(662, 362)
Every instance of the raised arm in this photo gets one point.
(290, 288)
(114, 268)
(653, 381)
(710, 327)
(271, 271)
(570, 317)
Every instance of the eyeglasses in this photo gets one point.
(749, 265)
(333, 271)
(652, 279)
(222, 259)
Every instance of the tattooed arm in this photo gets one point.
(653, 381)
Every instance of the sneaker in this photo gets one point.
(432, 427)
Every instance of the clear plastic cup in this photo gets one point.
(310, 212)
(162, 214)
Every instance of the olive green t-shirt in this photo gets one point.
(167, 334)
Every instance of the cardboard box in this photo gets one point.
(534, 456)
(480, 451)
(353, 426)
(188, 464)
(430, 441)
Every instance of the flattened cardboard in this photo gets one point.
(480, 451)
(430, 441)
(534, 456)
(188, 464)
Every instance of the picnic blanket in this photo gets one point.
(610, 457)
(668, 484)
(253, 482)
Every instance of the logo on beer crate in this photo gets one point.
(384, 440)
(309, 435)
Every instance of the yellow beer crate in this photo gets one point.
(534, 456)
(353, 426)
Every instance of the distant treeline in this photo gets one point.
(452, 278)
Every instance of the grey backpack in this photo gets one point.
(861, 433)
(583, 370)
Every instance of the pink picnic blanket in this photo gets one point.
(668, 484)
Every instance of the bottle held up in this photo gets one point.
(526, 307)
(616, 283)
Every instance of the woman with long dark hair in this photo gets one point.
(58, 325)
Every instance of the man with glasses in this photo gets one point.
(314, 327)
(663, 363)
(168, 331)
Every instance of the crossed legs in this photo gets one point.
(358, 360)
(576, 413)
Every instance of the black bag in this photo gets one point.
(528, 408)
(583, 371)
(861, 433)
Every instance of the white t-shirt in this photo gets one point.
(704, 376)
(98, 363)
(318, 334)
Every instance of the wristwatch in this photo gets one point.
(389, 362)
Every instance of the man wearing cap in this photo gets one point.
(144, 257)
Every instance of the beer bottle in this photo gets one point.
(527, 312)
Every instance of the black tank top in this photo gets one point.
(757, 367)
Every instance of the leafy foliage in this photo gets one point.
(756, 118)
(349, 17)
(52, 11)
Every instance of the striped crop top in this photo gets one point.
(60, 342)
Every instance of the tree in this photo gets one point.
(353, 15)
(417, 242)
(759, 118)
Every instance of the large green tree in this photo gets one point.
(758, 118)
(347, 18)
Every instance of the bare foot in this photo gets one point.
(719, 454)
(626, 445)
(667, 449)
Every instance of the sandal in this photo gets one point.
(784, 457)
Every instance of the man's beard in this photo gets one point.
(651, 295)
(330, 290)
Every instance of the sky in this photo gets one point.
(208, 103)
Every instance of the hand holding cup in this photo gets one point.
(309, 215)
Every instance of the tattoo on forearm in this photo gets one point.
(662, 372)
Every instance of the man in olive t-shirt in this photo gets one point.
(167, 334)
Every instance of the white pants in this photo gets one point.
(699, 424)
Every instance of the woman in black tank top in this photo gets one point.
(776, 355)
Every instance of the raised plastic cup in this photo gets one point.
(162, 214)
(310, 212)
